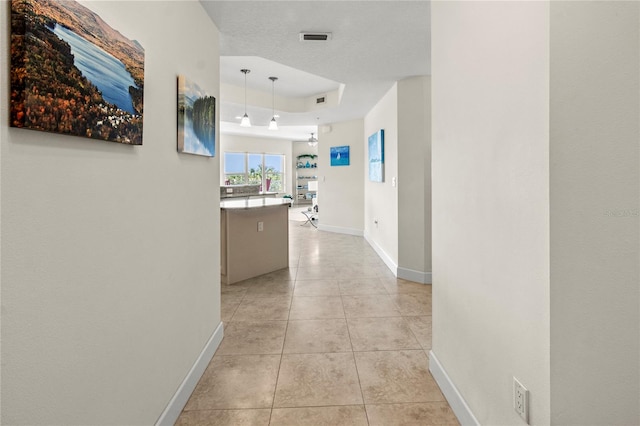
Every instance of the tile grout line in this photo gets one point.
(236, 309)
(414, 333)
(353, 355)
(404, 320)
(284, 341)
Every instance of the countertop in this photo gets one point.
(247, 195)
(253, 203)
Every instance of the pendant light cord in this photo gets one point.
(245, 122)
(273, 95)
(245, 72)
(273, 125)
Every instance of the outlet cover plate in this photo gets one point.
(521, 400)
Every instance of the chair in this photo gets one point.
(311, 216)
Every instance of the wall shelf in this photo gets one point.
(306, 166)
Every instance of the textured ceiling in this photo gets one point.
(374, 43)
(291, 82)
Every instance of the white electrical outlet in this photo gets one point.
(260, 226)
(521, 400)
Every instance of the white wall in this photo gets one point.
(381, 199)
(414, 178)
(110, 253)
(402, 236)
(342, 187)
(237, 143)
(595, 183)
(490, 160)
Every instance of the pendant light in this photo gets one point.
(245, 122)
(273, 125)
(313, 141)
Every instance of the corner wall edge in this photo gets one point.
(416, 276)
(454, 397)
(173, 409)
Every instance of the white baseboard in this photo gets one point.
(180, 398)
(341, 230)
(383, 255)
(416, 276)
(448, 388)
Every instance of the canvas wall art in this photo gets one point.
(73, 73)
(196, 119)
(376, 156)
(339, 155)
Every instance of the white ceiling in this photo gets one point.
(291, 82)
(374, 44)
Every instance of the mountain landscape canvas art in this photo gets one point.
(72, 73)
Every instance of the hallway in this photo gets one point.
(334, 340)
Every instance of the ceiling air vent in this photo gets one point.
(315, 36)
(320, 100)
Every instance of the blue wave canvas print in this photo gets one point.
(196, 119)
(339, 155)
(376, 156)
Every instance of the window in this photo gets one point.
(234, 168)
(267, 170)
(274, 167)
(255, 168)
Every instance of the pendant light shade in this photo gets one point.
(313, 141)
(273, 125)
(245, 122)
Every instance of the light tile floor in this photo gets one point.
(335, 339)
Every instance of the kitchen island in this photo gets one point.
(254, 237)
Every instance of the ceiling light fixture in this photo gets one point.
(273, 125)
(313, 141)
(245, 118)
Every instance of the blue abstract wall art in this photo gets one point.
(376, 156)
(339, 155)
